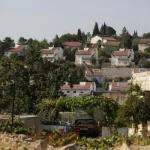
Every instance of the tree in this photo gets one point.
(110, 31)
(126, 38)
(135, 110)
(146, 35)
(22, 41)
(57, 41)
(79, 35)
(93, 60)
(44, 44)
(135, 34)
(68, 38)
(103, 29)
(96, 30)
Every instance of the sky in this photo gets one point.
(45, 18)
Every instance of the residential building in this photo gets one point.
(81, 89)
(118, 86)
(142, 78)
(86, 55)
(95, 39)
(97, 74)
(72, 45)
(20, 49)
(123, 57)
(52, 53)
(143, 44)
(115, 44)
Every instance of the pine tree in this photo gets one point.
(96, 29)
(79, 35)
(103, 29)
(135, 34)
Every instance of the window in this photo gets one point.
(68, 91)
(74, 91)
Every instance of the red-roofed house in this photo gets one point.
(118, 86)
(143, 44)
(72, 45)
(97, 74)
(20, 49)
(116, 44)
(83, 88)
(85, 55)
(53, 53)
(123, 57)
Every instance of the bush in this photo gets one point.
(60, 138)
(18, 127)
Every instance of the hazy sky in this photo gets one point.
(46, 18)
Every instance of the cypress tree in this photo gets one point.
(96, 29)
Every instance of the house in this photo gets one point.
(20, 49)
(143, 44)
(118, 86)
(142, 78)
(116, 44)
(97, 74)
(52, 53)
(95, 39)
(86, 55)
(83, 88)
(72, 45)
(123, 57)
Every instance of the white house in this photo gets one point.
(142, 78)
(53, 53)
(83, 88)
(97, 74)
(96, 38)
(20, 49)
(86, 55)
(123, 57)
(143, 44)
(118, 86)
(72, 45)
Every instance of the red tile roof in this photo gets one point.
(144, 41)
(72, 44)
(119, 86)
(85, 52)
(77, 86)
(112, 43)
(48, 51)
(109, 38)
(95, 73)
(121, 53)
(17, 49)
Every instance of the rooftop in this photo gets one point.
(112, 43)
(48, 51)
(85, 52)
(121, 52)
(72, 44)
(16, 49)
(81, 86)
(95, 73)
(119, 86)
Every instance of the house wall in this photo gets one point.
(78, 92)
(95, 39)
(7, 53)
(60, 53)
(142, 47)
(101, 80)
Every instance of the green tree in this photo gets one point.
(57, 42)
(79, 35)
(135, 34)
(68, 38)
(96, 30)
(22, 41)
(44, 44)
(126, 38)
(93, 60)
(146, 35)
(110, 31)
(103, 29)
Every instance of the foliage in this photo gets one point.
(114, 141)
(60, 138)
(96, 29)
(139, 112)
(18, 127)
(146, 35)
(22, 41)
(126, 38)
(93, 60)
